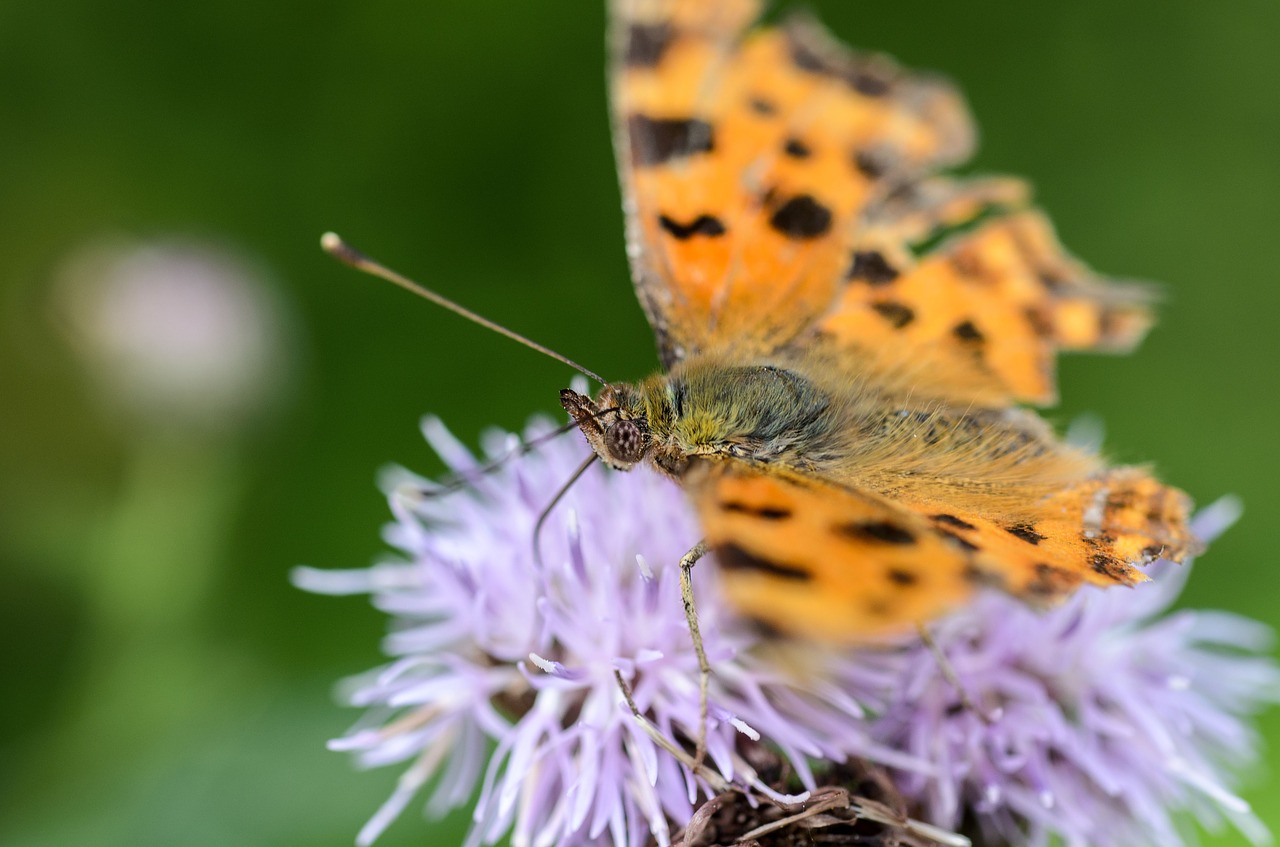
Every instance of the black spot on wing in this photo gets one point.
(1157, 505)
(897, 314)
(901, 576)
(952, 520)
(1051, 280)
(883, 532)
(978, 575)
(870, 165)
(801, 217)
(871, 267)
(655, 141)
(878, 607)
(1039, 323)
(769, 513)
(966, 331)
(1124, 499)
(957, 541)
(805, 57)
(867, 82)
(766, 630)
(1111, 324)
(1051, 581)
(796, 149)
(762, 106)
(646, 44)
(1026, 532)
(862, 77)
(1110, 567)
(707, 225)
(734, 558)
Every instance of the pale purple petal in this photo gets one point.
(477, 622)
(1114, 717)
(1109, 721)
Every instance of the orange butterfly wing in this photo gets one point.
(824, 561)
(980, 317)
(746, 161)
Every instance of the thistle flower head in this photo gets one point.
(1100, 721)
(176, 333)
(495, 644)
(1098, 727)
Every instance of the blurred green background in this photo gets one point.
(164, 683)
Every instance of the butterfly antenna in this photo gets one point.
(463, 479)
(949, 674)
(332, 244)
(546, 513)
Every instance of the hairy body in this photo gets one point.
(817, 415)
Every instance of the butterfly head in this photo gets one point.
(614, 424)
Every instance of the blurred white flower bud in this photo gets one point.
(174, 332)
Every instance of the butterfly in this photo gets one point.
(850, 338)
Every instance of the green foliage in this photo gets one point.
(166, 684)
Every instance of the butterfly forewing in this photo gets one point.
(746, 161)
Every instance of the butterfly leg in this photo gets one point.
(949, 674)
(713, 779)
(704, 667)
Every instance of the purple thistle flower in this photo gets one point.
(1103, 729)
(1104, 718)
(490, 646)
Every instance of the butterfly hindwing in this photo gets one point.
(980, 316)
(1097, 531)
(809, 558)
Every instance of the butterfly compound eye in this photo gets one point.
(625, 442)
